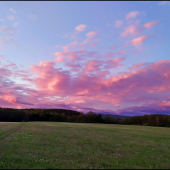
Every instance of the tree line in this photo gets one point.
(63, 115)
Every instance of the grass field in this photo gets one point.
(75, 145)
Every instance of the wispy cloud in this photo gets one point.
(139, 40)
(92, 34)
(12, 10)
(15, 24)
(118, 23)
(7, 41)
(10, 17)
(80, 27)
(34, 17)
(131, 30)
(132, 14)
(162, 2)
(150, 24)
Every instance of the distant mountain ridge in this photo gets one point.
(118, 116)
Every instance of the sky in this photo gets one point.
(106, 56)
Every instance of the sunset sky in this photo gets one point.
(106, 57)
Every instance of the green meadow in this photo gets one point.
(43, 145)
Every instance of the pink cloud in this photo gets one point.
(87, 80)
(92, 34)
(137, 22)
(137, 66)
(131, 30)
(72, 57)
(72, 45)
(165, 104)
(12, 10)
(62, 54)
(163, 2)
(132, 14)
(139, 40)
(58, 46)
(7, 41)
(15, 24)
(110, 55)
(80, 27)
(10, 17)
(50, 78)
(0, 42)
(92, 44)
(10, 99)
(137, 51)
(7, 29)
(118, 23)
(2, 48)
(98, 40)
(114, 63)
(140, 86)
(59, 59)
(120, 52)
(74, 67)
(93, 65)
(113, 47)
(150, 24)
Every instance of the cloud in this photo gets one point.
(74, 67)
(131, 30)
(140, 65)
(145, 87)
(7, 41)
(7, 29)
(137, 51)
(120, 52)
(15, 24)
(92, 34)
(114, 63)
(12, 10)
(92, 44)
(150, 24)
(59, 59)
(34, 17)
(118, 23)
(50, 78)
(1, 19)
(137, 22)
(93, 65)
(165, 104)
(74, 54)
(10, 99)
(139, 40)
(162, 2)
(10, 17)
(113, 47)
(87, 80)
(132, 14)
(80, 27)
(2, 48)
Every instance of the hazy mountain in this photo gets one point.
(118, 116)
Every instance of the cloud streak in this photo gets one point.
(80, 28)
(150, 24)
(132, 14)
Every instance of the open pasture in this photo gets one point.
(83, 145)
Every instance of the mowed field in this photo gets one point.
(83, 145)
